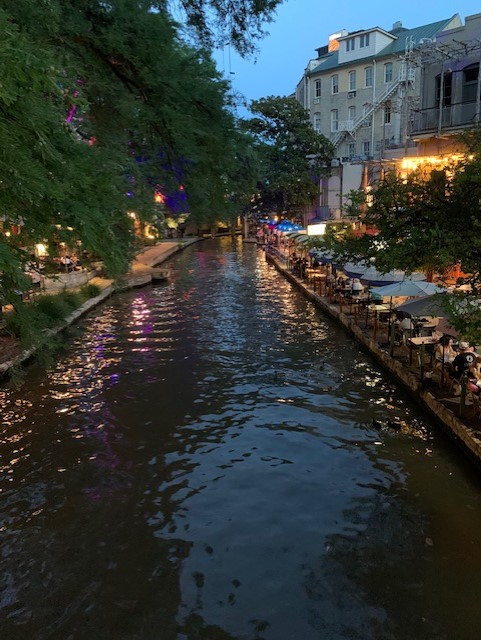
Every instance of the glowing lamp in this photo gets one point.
(40, 250)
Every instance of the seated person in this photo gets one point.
(406, 324)
(444, 350)
(357, 287)
(330, 279)
(464, 360)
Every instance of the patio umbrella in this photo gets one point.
(430, 287)
(321, 254)
(302, 238)
(407, 288)
(427, 306)
(355, 269)
(445, 328)
(374, 277)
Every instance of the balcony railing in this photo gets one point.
(459, 114)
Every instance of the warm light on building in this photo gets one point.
(316, 229)
(159, 197)
(149, 232)
(411, 164)
(40, 250)
(333, 44)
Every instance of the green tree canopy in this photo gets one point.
(292, 156)
(221, 22)
(100, 100)
(428, 220)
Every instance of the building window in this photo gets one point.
(366, 107)
(352, 80)
(447, 89)
(470, 82)
(351, 113)
(387, 114)
(388, 72)
(317, 121)
(335, 84)
(351, 150)
(317, 89)
(334, 120)
(366, 148)
(368, 77)
(364, 40)
(350, 44)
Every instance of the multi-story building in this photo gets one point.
(450, 91)
(360, 91)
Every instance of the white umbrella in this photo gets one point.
(355, 269)
(303, 238)
(322, 254)
(372, 276)
(406, 288)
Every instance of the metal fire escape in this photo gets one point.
(406, 78)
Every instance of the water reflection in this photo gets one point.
(202, 462)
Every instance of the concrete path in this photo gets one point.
(141, 270)
(11, 353)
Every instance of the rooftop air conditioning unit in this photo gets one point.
(426, 40)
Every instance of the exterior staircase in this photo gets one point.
(351, 126)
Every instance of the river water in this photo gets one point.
(201, 464)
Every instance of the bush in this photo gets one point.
(90, 290)
(71, 299)
(53, 307)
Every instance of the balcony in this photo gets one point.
(345, 125)
(454, 116)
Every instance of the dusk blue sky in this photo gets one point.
(301, 26)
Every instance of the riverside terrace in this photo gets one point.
(410, 360)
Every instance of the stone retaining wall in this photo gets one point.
(71, 280)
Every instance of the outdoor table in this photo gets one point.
(316, 278)
(419, 342)
(376, 309)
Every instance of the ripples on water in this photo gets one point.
(202, 463)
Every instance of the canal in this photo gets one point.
(201, 463)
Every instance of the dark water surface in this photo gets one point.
(201, 464)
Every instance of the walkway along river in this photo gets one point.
(202, 463)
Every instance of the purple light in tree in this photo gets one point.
(71, 113)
